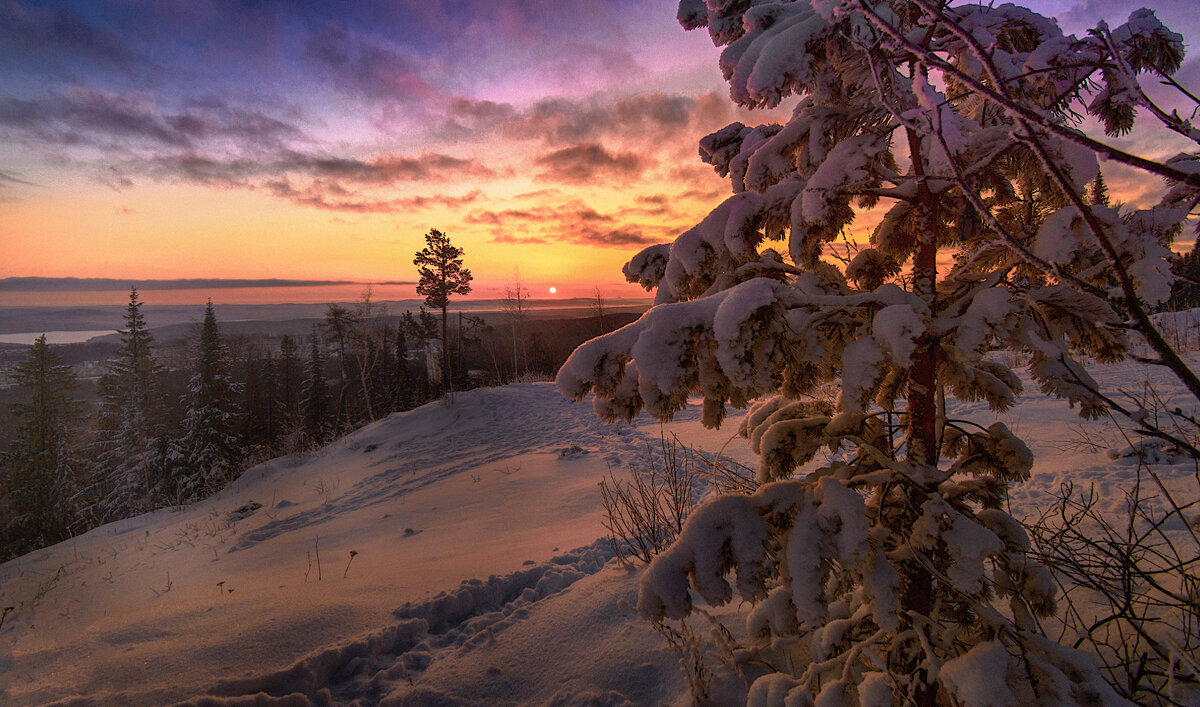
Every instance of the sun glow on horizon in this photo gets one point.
(285, 159)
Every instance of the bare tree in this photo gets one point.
(598, 308)
(515, 306)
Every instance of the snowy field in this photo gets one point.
(453, 554)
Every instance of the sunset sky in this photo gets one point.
(321, 140)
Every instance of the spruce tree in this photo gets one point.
(290, 377)
(382, 372)
(210, 451)
(262, 410)
(403, 392)
(270, 412)
(37, 479)
(339, 325)
(128, 460)
(1098, 191)
(316, 402)
(1185, 291)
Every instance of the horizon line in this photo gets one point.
(109, 284)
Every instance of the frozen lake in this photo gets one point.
(54, 337)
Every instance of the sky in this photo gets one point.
(551, 139)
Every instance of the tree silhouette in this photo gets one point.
(210, 448)
(127, 464)
(37, 478)
(442, 275)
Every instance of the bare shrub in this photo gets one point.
(1130, 586)
(644, 510)
(689, 648)
(728, 476)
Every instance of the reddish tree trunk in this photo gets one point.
(922, 385)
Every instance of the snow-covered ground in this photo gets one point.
(461, 561)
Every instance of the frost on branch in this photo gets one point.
(875, 552)
(648, 267)
(731, 534)
(1142, 238)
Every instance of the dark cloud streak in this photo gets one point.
(58, 33)
(561, 121)
(588, 163)
(571, 222)
(8, 179)
(82, 116)
(372, 71)
(322, 194)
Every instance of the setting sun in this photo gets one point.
(553, 290)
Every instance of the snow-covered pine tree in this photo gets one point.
(128, 465)
(315, 401)
(210, 451)
(37, 478)
(894, 561)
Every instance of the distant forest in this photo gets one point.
(166, 423)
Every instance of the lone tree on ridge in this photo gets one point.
(442, 275)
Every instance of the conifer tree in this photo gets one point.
(271, 415)
(439, 265)
(128, 460)
(290, 377)
(382, 378)
(1098, 191)
(37, 481)
(316, 402)
(48, 386)
(419, 329)
(262, 411)
(210, 451)
(339, 324)
(1185, 291)
(402, 379)
(894, 560)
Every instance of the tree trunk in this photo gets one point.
(445, 353)
(922, 386)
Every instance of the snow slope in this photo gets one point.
(221, 601)
(178, 602)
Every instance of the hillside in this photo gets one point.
(220, 597)
(227, 598)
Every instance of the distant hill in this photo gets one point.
(62, 318)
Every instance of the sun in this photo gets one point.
(553, 289)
